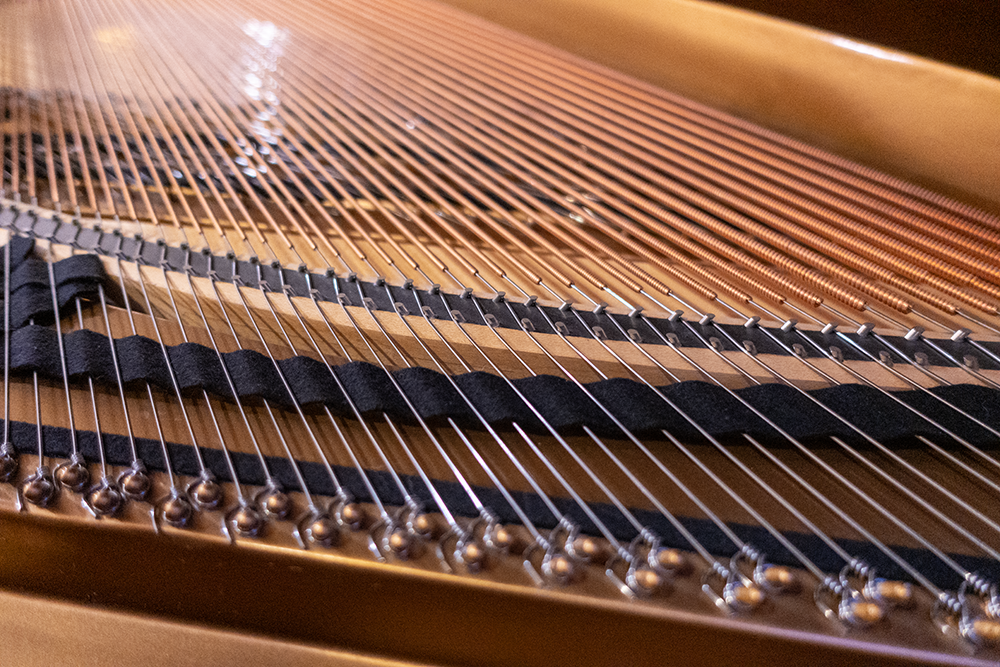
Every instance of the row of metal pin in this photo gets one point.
(640, 568)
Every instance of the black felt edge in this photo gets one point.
(689, 410)
(540, 404)
(178, 259)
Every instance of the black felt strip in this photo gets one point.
(689, 408)
(686, 410)
(142, 360)
(110, 244)
(76, 277)
(197, 367)
(30, 271)
(20, 248)
(118, 452)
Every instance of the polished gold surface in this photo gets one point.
(917, 118)
(46, 631)
(408, 612)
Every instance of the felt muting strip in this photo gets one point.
(117, 449)
(562, 404)
(76, 277)
(681, 409)
(650, 330)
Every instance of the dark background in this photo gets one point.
(961, 32)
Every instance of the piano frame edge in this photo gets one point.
(915, 118)
(352, 612)
(40, 630)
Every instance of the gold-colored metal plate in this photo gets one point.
(342, 600)
(913, 117)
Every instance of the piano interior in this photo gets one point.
(399, 332)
